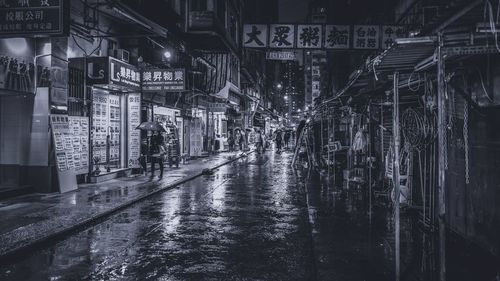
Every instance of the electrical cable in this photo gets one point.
(409, 82)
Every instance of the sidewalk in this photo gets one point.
(33, 219)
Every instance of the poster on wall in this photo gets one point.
(79, 129)
(17, 70)
(64, 150)
(134, 135)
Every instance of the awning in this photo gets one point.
(231, 93)
(405, 55)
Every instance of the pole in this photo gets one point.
(370, 163)
(441, 154)
(395, 171)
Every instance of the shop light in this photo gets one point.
(167, 54)
(415, 40)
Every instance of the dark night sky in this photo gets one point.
(293, 10)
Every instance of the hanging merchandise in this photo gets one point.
(418, 128)
(359, 143)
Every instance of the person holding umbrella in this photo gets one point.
(155, 150)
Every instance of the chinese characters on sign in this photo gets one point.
(309, 36)
(255, 35)
(134, 135)
(366, 37)
(282, 36)
(30, 17)
(390, 33)
(337, 36)
(168, 80)
(317, 36)
(123, 74)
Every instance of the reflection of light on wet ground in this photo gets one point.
(170, 213)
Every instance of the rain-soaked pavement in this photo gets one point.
(254, 219)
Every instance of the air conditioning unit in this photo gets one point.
(121, 54)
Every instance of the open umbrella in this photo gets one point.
(151, 126)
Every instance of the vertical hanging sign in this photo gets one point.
(134, 135)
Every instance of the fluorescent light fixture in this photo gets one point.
(415, 40)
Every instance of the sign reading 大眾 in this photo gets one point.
(317, 36)
(163, 80)
(24, 18)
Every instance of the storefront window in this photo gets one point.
(106, 129)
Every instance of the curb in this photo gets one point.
(19, 251)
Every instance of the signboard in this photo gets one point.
(281, 55)
(64, 152)
(318, 36)
(23, 18)
(217, 107)
(309, 36)
(366, 37)
(164, 80)
(124, 74)
(112, 74)
(390, 33)
(255, 35)
(79, 130)
(282, 36)
(134, 135)
(337, 36)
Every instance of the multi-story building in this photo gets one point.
(315, 61)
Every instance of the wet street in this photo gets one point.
(248, 221)
(254, 219)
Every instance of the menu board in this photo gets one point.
(64, 152)
(134, 135)
(79, 129)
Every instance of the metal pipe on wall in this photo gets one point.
(441, 72)
(395, 173)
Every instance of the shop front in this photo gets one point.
(218, 121)
(115, 115)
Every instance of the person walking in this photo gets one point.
(259, 142)
(230, 141)
(158, 154)
(279, 141)
(287, 139)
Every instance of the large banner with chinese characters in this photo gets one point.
(163, 80)
(24, 18)
(318, 36)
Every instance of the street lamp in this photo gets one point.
(167, 54)
(286, 97)
(279, 86)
